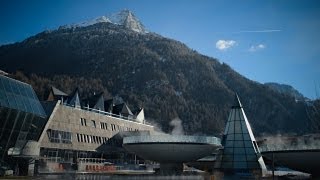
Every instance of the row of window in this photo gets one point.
(56, 136)
(121, 128)
(104, 125)
(91, 139)
(83, 122)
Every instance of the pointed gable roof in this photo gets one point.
(108, 105)
(74, 99)
(126, 110)
(139, 114)
(240, 148)
(95, 102)
(122, 109)
(56, 94)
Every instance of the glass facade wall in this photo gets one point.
(22, 117)
(18, 95)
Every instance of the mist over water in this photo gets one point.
(176, 123)
(287, 142)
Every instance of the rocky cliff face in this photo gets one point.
(163, 75)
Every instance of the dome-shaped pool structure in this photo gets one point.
(171, 150)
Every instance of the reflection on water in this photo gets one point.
(129, 177)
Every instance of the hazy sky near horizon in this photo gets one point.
(266, 41)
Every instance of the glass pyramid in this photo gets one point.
(240, 148)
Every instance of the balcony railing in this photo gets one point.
(127, 118)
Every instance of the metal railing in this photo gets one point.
(269, 147)
(172, 139)
(126, 118)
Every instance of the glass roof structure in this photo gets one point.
(240, 148)
(18, 95)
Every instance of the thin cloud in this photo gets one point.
(259, 31)
(225, 44)
(257, 48)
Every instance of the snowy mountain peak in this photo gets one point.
(127, 19)
(124, 18)
(120, 17)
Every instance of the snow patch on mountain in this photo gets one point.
(123, 18)
(127, 19)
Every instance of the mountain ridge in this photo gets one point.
(287, 89)
(124, 18)
(162, 75)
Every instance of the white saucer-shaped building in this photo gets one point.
(171, 151)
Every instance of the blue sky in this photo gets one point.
(266, 41)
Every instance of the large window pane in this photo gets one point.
(238, 144)
(56, 136)
(22, 90)
(237, 127)
(19, 102)
(240, 165)
(29, 91)
(250, 151)
(244, 127)
(34, 95)
(38, 109)
(240, 157)
(238, 137)
(20, 121)
(12, 101)
(230, 137)
(246, 136)
(229, 144)
(239, 151)
(251, 157)
(27, 104)
(14, 86)
(237, 115)
(6, 85)
(233, 112)
(248, 143)
(3, 99)
(228, 150)
(231, 127)
(1, 84)
(34, 106)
